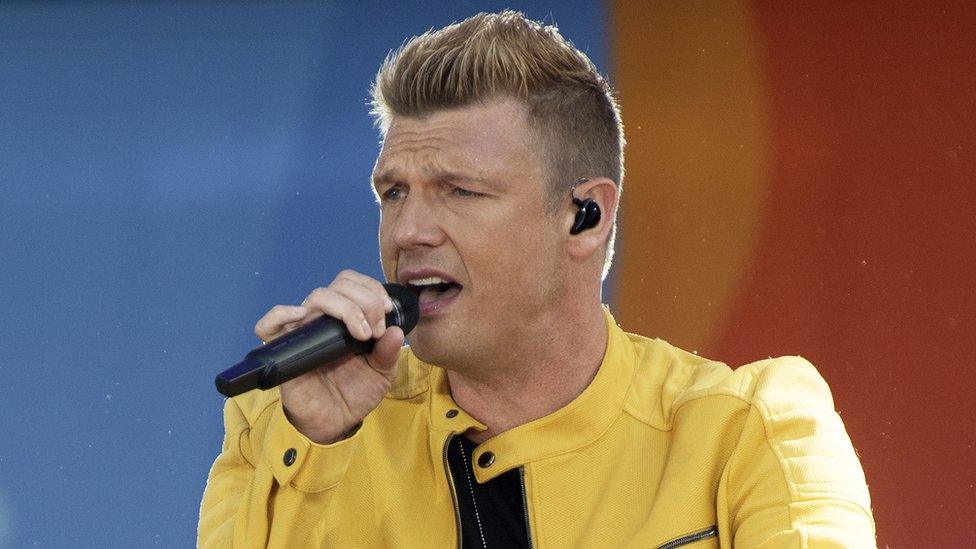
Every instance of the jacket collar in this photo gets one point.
(577, 424)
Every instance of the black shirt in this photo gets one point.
(493, 514)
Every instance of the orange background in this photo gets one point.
(801, 180)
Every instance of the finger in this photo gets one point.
(277, 321)
(383, 357)
(339, 306)
(371, 283)
(373, 307)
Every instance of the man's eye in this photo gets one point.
(392, 194)
(466, 193)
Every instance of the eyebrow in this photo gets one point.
(386, 176)
(392, 176)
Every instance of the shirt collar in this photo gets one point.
(577, 424)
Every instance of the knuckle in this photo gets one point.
(342, 283)
(318, 295)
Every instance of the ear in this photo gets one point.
(592, 241)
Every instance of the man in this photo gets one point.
(520, 415)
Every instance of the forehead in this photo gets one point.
(486, 140)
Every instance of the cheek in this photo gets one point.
(388, 253)
(513, 253)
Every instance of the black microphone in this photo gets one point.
(319, 342)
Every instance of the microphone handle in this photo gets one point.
(321, 341)
(288, 356)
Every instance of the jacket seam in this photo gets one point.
(583, 444)
(721, 392)
(760, 408)
(792, 485)
(221, 500)
(220, 474)
(293, 484)
(639, 419)
(412, 387)
(258, 415)
(734, 455)
(250, 450)
(629, 396)
(258, 452)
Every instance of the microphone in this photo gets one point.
(319, 342)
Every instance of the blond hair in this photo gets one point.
(572, 110)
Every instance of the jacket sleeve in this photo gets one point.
(794, 479)
(266, 469)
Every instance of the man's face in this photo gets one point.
(463, 216)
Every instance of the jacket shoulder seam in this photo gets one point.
(721, 391)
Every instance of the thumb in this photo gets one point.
(386, 350)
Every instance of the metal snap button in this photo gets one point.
(486, 459)
(452, 413)
(290, 455)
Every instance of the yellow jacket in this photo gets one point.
(662, 446)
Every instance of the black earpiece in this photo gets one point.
(587, 217)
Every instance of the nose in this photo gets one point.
(416, 224)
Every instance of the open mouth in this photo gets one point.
(434, 292)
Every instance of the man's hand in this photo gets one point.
(326, 403)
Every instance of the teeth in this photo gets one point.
(427, 281)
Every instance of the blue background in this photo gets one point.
(168, 173)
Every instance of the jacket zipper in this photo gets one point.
(525, 505)
(690, 538)
(454, 499)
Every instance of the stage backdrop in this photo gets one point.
(800, 181)
(169, 172)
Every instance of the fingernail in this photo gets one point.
(380, 328)
(388, 304)
(367, 329)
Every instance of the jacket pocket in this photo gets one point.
(687, 539)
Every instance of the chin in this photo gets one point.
(426, 349)
(434, 346)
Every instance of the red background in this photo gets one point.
(864, 260)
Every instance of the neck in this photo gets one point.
(542, 374)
